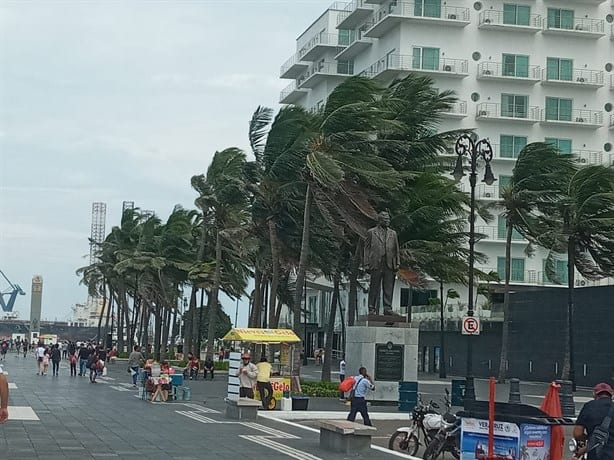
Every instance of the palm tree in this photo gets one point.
(537, 182)
(580, 224)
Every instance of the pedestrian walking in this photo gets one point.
(92, 364)
(40, 356)
(135, 361)
(56, 357)
(25, 347)
(591, 418)
(84, 355)
(73, 365)
(263, 382)
(247, 373)
(358, 404)
(4, 347)
(4, 397)
(64, 350)
(46, 359)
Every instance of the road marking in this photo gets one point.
(269, 431)
(12, 386)
(118, 388)
(289, 451)
(200, 408)
(196, 416)
(22, 413)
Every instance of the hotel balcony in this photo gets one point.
(322, 71)
(581, 28)
(291, 94)
(580, 78)
(489, 111)
(494, 234)
(495, 20)
(458, 110)
(355, 14)
(611, 121)
(497, 71)
(612, 26)
(354, 48)
(591, 119)
(588, 157)
(529, 277)
(318, 45)
(392, 15)
(487, 192)
(588, 2)
(293, 67)
(395, 65)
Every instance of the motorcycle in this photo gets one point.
(447, 438)
(577, 449)
(425, 423)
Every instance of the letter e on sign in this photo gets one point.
(471, 325)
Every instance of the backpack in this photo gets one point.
(601, 434)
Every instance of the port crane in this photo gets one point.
(9, 294)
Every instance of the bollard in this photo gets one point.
(568, 406)
(514, 392)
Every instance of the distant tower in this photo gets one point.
(147, 213)
(99, 218)
(127, 205)
(35, 306)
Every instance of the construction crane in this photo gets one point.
(11, 293)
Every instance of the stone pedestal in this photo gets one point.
(392, 333)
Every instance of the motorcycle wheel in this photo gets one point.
(401, 442)
(433, 450)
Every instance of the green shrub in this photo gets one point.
(123, 355)
(320, 389)
(221, 365)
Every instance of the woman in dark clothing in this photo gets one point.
(93, 365)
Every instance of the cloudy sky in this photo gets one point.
(121, 100)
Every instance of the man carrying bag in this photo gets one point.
(595, 424)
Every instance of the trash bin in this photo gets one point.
(408, 396)
(458, 392)
(187, 393)
(300, 402)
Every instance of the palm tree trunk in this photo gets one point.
(102, 310)
(213, 304)
(353, 294)
(274, 270)
(108, 317)
(121, 306)
(196, 322)
(257, 300)
(442, 347)
(298, 292)
(166, 324)
(503, 364)
(158, 331)
(330, 331)
(568, 371)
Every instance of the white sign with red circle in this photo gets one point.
(471, 325)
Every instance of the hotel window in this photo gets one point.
(510, 146)
(515, 65)
(425, 58)
(517, 269)
(559, 18)
(559, 69)
(558, 109)
(514, 105)
(516, 15)
(563, 145)
(428, 8)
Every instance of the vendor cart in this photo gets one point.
(282, 368)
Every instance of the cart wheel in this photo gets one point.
(272, 403)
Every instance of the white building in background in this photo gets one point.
(523, 71)
(87, 314)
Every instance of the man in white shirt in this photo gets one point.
(40, 354)
(342, 376)
(4, 397)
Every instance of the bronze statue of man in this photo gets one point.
(381, 260)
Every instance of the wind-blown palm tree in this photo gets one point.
(537, 182)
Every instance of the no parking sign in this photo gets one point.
(471, 325)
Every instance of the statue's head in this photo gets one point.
(383, 219)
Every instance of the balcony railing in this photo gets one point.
(490, 110)
(580, 26)
(322, 68)
(495, 18)
(528, 277)
(515, 72)
(309, 50)
(580, 117)
(611, 121)
(354, 14)
(291, 94)
(496, 148)
(292, 67)
(578, 77)
(419, 11)
(487, 192)
(407, 63)
(492, 232)
(457, 110)
(612, 82)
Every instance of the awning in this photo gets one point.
(262, 335)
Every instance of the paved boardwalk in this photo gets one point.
(68, 418)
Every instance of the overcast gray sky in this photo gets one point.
(121, 100)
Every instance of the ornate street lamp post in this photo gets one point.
(475, 150)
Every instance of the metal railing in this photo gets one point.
(579, 25)
(581, 116)
(492, 232)
(289, 63)
(458, 108)
(496, 148)
(419, 10)
(494, 110)
(324, 39)
(580, 76)
(526, 276)
(331, 68)
(498, 69)
(405, 62)
(496, 17)
(591, 157)
(351, 7)
(487, 192)
(611, 121)
(612, 82)
(287, 91)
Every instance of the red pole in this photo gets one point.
(491, 419)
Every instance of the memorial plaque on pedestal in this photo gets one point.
(389, 362)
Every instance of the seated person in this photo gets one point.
(193, 366)
(165, 368)
(209, 366)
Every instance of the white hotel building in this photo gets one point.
(523, 71)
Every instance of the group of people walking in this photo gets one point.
(89, 358)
